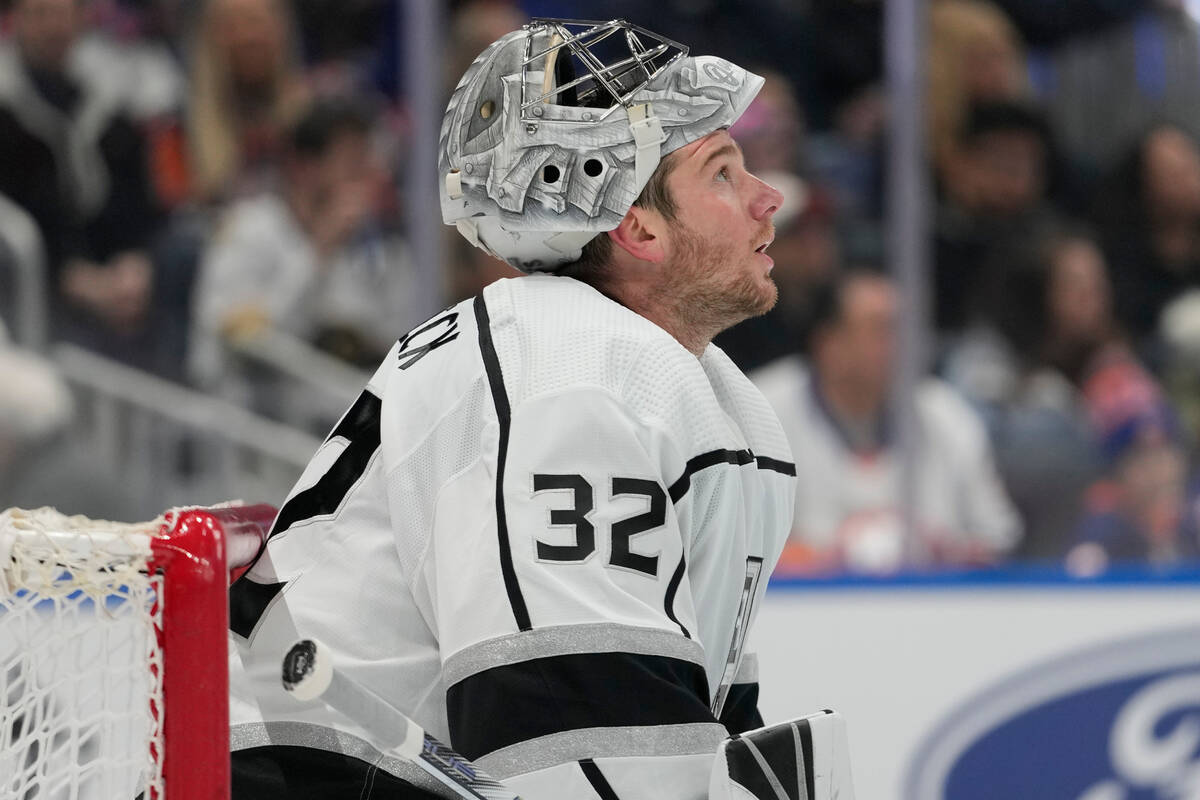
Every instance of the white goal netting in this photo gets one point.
(80, 664)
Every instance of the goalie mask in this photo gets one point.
(555, 129)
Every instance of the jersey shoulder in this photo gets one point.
(746, 403)
(556, 335)
(782, 381)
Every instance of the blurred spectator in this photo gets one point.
(1047, 23)
(847, 161)
(340, 30)
(771, 130)
(473, 26)
(994, 190)
(975, 56)
(1179, 332)
(35, 404)
(1149, 211)
(1063, 394)
(1104, 88)
(846, 43)
(314, 261)
(835, 414)
(129, 45)
(1145, 512)
(1140, 511)
(132, 46)
(247, 85)
(22, 275)
(807, 253)
(73, 158)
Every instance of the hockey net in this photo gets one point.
(113, 666)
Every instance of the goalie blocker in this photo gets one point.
(802, 759)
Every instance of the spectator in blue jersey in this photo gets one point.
(1147, 510)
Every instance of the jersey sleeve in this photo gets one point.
(330, 571)
(565, 619)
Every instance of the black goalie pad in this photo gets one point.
(802, 759)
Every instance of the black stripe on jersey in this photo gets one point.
(740, 713)
(703, 461)
(714, 457)
(596, 778)
(248, 601)
(775, 465)
(672, 588)
(514, 703)
(360, 426)
(491, 363)
(309, 773)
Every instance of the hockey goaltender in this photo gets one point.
(542, 530)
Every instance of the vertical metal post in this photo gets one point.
(421, 35)
(908, 201)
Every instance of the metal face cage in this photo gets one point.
(598, 65)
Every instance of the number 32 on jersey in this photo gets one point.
(574, 516)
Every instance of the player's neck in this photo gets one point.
(646, 299)
(692, 334)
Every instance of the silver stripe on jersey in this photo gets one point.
(561, 640)
(318, 737)
(692, 738)
(748, 671)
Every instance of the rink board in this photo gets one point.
(1022, 683)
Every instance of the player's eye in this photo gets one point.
(723, 174)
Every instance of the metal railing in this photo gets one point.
(175, 446)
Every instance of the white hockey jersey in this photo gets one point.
(541, 532)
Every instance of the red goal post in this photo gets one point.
(114, 652)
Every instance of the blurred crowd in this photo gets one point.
(194, 183)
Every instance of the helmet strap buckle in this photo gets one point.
(648, 135)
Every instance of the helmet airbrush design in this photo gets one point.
(555, 129)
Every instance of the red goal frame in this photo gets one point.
(191, 551)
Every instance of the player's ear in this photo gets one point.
(639, 234)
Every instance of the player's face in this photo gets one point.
(721, 228)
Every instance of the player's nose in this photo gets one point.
(766, 201)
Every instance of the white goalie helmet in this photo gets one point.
(554, 130)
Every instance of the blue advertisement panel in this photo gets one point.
(1019, 683)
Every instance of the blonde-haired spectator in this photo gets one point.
(975, 55)
(247, 84)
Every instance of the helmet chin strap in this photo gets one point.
(648, 136)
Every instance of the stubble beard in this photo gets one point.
(708, 286)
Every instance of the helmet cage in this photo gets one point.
(596, 71)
